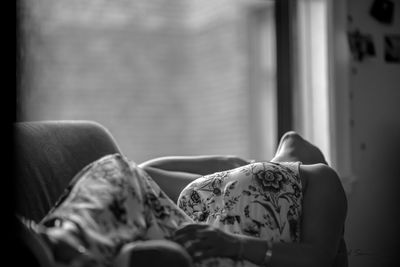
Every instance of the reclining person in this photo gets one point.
(288, 211)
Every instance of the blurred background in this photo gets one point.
(193, 77)
(165, 77)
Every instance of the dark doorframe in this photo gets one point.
(284, 15)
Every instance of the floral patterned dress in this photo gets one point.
(261, 200)
(112, 202)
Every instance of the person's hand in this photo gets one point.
(205, 241)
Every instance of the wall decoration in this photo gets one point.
(392, 48)
(382, 11)
(361, 45)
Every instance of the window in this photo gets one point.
(165, 77)
(262, 80)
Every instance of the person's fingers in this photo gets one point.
(195, 245)
(183, 238)
(202, 254)
(201, 236)
(190, 229)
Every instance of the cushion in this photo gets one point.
(153, 253)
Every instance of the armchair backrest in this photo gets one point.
(48, 154)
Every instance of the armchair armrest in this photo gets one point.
(153, 253)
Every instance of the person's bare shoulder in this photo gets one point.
(323, 180)
(320, 173)
(324, 209)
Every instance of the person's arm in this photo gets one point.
(171, 182)
(324, 212)
(201, 165)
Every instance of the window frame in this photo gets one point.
(338, 93)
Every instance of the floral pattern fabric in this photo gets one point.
(112, 202)
(261, 200)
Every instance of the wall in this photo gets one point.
(372, 227)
